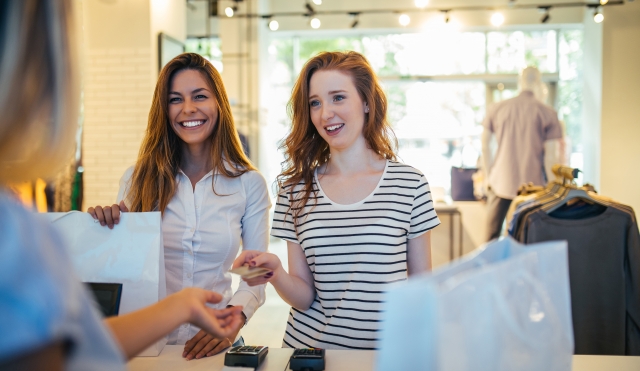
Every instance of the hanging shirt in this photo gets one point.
(202, 232)
(604, 272)
(355, 252)
(41, 300)
(521, 125)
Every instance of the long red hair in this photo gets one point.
(153, 183)
(304, 148)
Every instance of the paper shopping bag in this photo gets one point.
(131, 253)
(505, 307)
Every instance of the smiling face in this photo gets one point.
(336, 109)
(193, 109)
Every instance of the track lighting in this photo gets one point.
(310, 8)
(598, 17)
(545, 13)
(446, 15)
(603, 2)
(274, 25)
(404, 20)
(497, 19)
(317, 2)
(315, 23)
(229, 11)
(356, 19)
(421, 3)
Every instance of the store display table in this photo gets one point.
(336, 360)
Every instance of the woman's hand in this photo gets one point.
(108, 215)
(206, 345)
(255, 258)
(220, 323)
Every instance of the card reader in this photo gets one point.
(246, 356)
(309, 359)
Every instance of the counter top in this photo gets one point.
(336, 360)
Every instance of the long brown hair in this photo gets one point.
(304, 148)
(153, 182)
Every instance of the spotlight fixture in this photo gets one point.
(603, 2)
(545, 13)
(356, 19)
(598, 17)
(446, 15)
(421, 3)
(274, 25)
(310, 8)
(315, 23)
(229, 11)
(497, 19)
(404, 20)
(317, 2)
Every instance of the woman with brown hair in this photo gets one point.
(355, 220)
(191, 167)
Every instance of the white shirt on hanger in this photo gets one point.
(202, 232)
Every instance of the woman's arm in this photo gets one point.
(296, 287)
(138, 330)
(419, 254)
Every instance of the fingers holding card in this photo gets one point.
(247, 272)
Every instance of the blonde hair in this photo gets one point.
(154, 176)
(305, 149)
(39, 95)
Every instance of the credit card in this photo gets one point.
(247, 272)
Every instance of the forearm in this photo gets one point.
(487, 158)
(138, 330)
(419, 254)
(293, 290)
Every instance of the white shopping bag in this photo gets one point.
(131, 253)
(506, 307)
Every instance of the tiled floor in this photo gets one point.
(269, 322)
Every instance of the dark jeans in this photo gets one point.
(497, 211)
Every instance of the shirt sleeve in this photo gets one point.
(552, 129)
(282, 226)
(41, 300)
(423, 213)
(255, 236)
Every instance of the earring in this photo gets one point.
(366, 109)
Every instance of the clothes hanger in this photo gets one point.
(567, 190)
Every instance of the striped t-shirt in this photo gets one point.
(354, 251)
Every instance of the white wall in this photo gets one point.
(621, 104)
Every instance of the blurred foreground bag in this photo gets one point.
(132, 253)
(505, 308)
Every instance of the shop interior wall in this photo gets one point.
(119, 54)
(620, 177)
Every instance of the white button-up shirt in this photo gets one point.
(202, 233)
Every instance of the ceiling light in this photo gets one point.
(446, 16)
(317, 2)
(404, 19)
(603, 2)
(598, 17)
(311, 10)
(545, 13)
(421, 3)
(356, 19)
(229, 11)
(497, 19)
(315, 23)
(274, 25)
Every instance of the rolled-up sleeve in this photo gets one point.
(255, 236)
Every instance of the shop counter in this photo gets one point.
(336, 360)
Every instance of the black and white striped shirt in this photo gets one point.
(354, 252)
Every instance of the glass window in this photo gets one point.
(510, 52)
(208, 48)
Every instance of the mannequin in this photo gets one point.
(528, 135)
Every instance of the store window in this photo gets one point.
(208, 48)
(439, 88)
